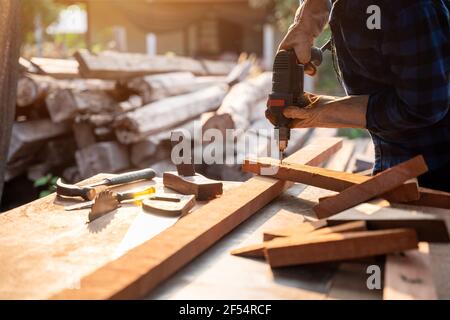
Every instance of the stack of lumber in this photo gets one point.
(356, 222)
(116, 110)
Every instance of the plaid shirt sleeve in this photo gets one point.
(417, 45)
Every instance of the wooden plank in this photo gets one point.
(340, 160)
(337, 247)
(324, 178)
(428, 227)
(360, 148)
(116, 65)
(375, 186)
(409, 276)
(311, 228)
(198, 185)
(57, 68)
(144, 267)
(307, 231)
(120, 65)
(306, 227)
(57, 248)
(432, 198)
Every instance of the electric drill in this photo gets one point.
(287, 89)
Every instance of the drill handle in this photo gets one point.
(316, 58)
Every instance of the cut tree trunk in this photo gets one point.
(241, 101)
(83, 133)
(28, 137)
(103, 157)
(132, 103)
(167, 113)
(64, 104)
(218, 68)
(29, 91)
(156, 87)
(157, 147)
(34, 88)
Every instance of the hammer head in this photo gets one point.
(71, 190)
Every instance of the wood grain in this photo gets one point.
(432, 198)
(409, 276)
(144, 267)
(198, 185)
(310, 228)
(338, 246)
(428, 227)
(325, 178)
(375, 186)
(304, 232)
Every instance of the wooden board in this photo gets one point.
(57, 68)
(375, 186)
(336, 247)
(306, 232)
(315, 228)
(45, 249)
(198, 185)
(428, 227)
(155, 260)
(117, 65)
(432, 198)
(120, 65)
(324, 178)
(167, 204)
(409, 276)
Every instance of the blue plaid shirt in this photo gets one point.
(405, 68)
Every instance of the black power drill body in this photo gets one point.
(287, 89)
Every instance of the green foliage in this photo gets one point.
(283, 11)
(47, 9)
(46, 185)
(352, 133)
(327, 81)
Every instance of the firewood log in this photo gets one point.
(103, 157)
(167, 113)
(156, 87)
(242, 101)
(64, 104)
(28, 137)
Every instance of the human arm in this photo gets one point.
(310, 19)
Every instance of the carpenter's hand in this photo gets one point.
(310, 115)
(329, 112)
(310, 19)
(303, 116)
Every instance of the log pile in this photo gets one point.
(110, 112)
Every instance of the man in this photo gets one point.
(396, 78)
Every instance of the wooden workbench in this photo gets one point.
(45, 249)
